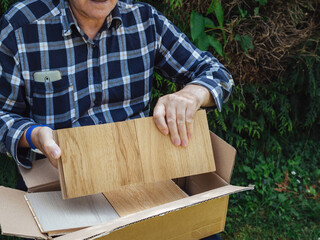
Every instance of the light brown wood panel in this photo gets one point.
(132, 199)
(161, 159)
(105, 157)
(98, 158)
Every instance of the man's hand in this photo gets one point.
(42, 139)
(174, 113)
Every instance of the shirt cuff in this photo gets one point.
(219, 91)
(13, 137)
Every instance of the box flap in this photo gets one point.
(41, 177)
(224, 156)
(204, 182)
(106, 228)
(15, 216)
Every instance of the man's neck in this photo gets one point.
(89, 26)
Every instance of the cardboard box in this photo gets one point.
(201, 214)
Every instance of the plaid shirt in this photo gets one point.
(103, 80)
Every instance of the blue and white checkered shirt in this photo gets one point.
(103, 80)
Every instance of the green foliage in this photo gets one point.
(216, 7)
(201, 26)
(262, 2)
(8, 172)
(174, 4)
(245, 42)
(5, 4)
(275, 128)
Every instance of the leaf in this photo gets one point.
(203, 42)
(216, 7)
(245, 42)
(196, 25)
(243, 13)
(209, 23)
(256, 11)
(219, 13)
(282, 198)
(216, 45)
(211, 7)
(313, 191)
(262, 2)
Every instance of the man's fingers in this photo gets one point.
(159, 115)
(189, 121)
(171, 118)
(181, 125)
(174, 114)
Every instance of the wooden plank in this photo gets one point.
(55, 215)
(105, 157)
(132, 199)
(161, 160)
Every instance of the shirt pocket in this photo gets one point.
(52, 102)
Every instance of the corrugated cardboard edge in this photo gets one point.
(224, 155)
(105, 229)
(16, 218)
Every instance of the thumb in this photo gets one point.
(48, 146)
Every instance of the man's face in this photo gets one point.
(92, 9)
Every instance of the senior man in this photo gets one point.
(83, 62)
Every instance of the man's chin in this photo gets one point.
(99, 1)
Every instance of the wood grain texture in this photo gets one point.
(105, 157)
(132, 199)
(55, 215)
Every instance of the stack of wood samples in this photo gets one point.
(56, 216)
(106, 157)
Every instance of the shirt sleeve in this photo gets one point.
(13, 106)
(179, 60)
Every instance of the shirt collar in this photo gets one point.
(113, 20)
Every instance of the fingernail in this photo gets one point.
(184, 143)
(176, 142)
(55, 154)
(165, 132)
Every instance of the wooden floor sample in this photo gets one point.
(55, 215)
(132, 199)
(105, 157)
